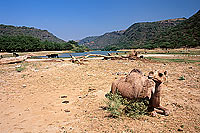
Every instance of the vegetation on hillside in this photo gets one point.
(104, 40)
(139, 34)
(44, 35)
(136, 34)
(28, 43)
(186, 34)
(173, 33)
(87, 40)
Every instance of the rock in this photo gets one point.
(18, 66)
(66, 110)
(27, 109)
(91, 74)
(35, 70)
(121, 73)
(63, 96)
(24, 86)
(180, 129)
(89, 90)
(65, 102)
(125, 73)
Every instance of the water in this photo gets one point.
(64, 55)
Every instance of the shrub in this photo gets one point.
(19, 69)
(118, 106)
(181, 78)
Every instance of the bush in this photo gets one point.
(27, 43)
(181, 78)
(20, 68)
(118, 106)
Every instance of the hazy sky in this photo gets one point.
(76, 19)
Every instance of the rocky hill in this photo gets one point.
(102, 41)
(87, 40)
(186, 34)
(172, 33)
(8, 30)
(136, 34)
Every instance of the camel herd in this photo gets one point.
(136, 85)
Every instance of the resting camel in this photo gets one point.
(135, 85)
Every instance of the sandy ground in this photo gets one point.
(64, 97)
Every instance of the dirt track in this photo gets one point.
(30, 101)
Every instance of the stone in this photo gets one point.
(66, 110)
(63, 96)
(65, 102)
(24, 86)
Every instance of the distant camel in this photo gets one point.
(135, 85)
(15, 54)
(53, 56)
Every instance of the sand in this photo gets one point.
(65, 97)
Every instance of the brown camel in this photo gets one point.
(135, 85)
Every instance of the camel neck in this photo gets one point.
(158, 84)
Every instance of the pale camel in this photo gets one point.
(136, 85)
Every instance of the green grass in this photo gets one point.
(172, 60)
(185, 53)
(181, 78)
(119, 106)
(21, 67)
(178, 52)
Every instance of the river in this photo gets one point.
(64, 55)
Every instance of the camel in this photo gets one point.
(52, 56)
(136, 85)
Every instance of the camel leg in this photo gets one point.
(114, 87)
(151, 111)
(156, 107)
(165, 110)
(115, 84)
(159, 110)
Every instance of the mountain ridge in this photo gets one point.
(43, 35)
(137, 32)
(186, 34)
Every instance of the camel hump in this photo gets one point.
(136, 71)
(134, 76)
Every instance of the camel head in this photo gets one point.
(158, 76)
